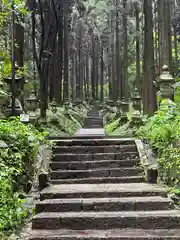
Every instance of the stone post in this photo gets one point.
(165, 83)
(32, 106)
(124, 110)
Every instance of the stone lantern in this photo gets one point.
(124, 109)
(32, 106)
(66, 104)
(54, 118)
(118, 105)
(136, 100)
(165, 83)
(19, 80)
(14, 108)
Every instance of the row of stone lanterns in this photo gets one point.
(166, 91)
(165, 84)
(123, 105)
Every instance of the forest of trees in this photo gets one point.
(58, 56)
(90, 49)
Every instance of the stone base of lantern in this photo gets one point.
(32, 117)
(54, 120)
(123, 119)
(136, 120)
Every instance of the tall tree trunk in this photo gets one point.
(138, 68)
(125, 85)
(102, 74)
(117, 52)
(66, 56)
(165, 34)
(93, 69)
(149, 94)
(59, 59)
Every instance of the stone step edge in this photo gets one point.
(94, 138)
(95, 161)
(97, 146)
(96, 170)
(99, 180)
(126, 233)
(106, 214)
(109, 200)
(96, 154)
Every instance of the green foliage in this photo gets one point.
(69, 120)
(162, 131)
(17, 167)
(111, 127)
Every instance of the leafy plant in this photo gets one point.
(163, 133)
(18, 157)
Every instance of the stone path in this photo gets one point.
(91, 132)
(93, 125)
(98, 192)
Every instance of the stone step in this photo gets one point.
(95, 156)
(110, 234)
(106, 220)
(93, 116)
(101, 190)
(92, 164)
(132, 179)
(100, 172)
(93, 132)
(95, 149)
(93, 121)
(104, 204)
(93, 141)
(93, 126)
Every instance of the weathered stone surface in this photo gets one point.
(98, 180)
(92, 164)
(106, 220)
(93, 141)
(96, 156)
(98, 192)
(101, 190)
(110, 234)
(95, 149)
(95, 131)
(105, 204)
(100, 172)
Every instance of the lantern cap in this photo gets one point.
(54, 103)
(136, 95)
(124, 100)
(165, 68)
(32, 96)
(165, 75)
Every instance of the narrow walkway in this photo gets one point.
(93, 125)
(98, 192)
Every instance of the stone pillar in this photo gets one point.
(165, 83)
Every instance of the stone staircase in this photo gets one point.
(98, 192)
(93, 119)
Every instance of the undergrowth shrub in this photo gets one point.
(162, 131)
(18, 154)
(18, 160)
(69, 120)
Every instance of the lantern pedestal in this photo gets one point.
(17, 111)
(124, 110)
(32, 106)
(136, 120)
(136, 100)
(118, 105)
(54, 118)
(165, 84)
